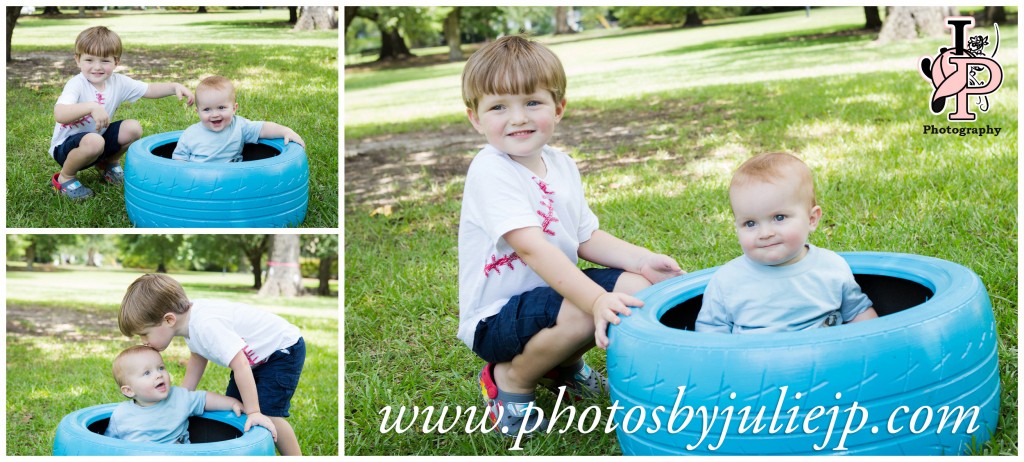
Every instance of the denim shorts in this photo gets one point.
(276, 380)
(501, 337)
(110, 145)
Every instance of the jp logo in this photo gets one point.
(955, 71)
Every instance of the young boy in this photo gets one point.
(220, 134)
(157, 412)
(781, 282)
(524, 306)
(265, 352)
(84, 135)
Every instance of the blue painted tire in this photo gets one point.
(938, 351)
(74, 438)
(265, 193)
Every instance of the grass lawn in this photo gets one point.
(281, 76)
(657, 121)
(62, 336)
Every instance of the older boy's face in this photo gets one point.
(215, 108)
(96, 69)
(518, 125)
(147, 380)
(158, 336)
(773, 221)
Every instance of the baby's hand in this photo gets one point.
(657, 267)
(290, 135)
(259, 419)
(605, 311)
(100, 116)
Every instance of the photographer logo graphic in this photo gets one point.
(959, 71)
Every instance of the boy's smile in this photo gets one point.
(518, 125)
(96, 69)
(216, 108)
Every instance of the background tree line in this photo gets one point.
(390, 32)
(277, 262)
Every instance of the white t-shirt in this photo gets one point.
(117, 90)
(745, 297)
(500, 196)
(200, 144)
(219, 329)
(163, 422)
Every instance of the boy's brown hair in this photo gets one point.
(776, 167)
(215, 82)
(119, 367)
(98, 41)
(147, 300)
(512, 65)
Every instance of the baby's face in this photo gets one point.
(146, 379)
(215, 108)
(773, 221)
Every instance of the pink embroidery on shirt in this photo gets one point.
(99, 98)
(254, 360)
(548, 214)
(496, 263)
(78, 123)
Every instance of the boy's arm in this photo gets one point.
(272, 130)
(250, 399)
(160, 90)
(219, 402)
(607, 250)
(71, 113)
(558, 271)
(193, 372)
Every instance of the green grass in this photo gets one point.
(67, 368)
(286, 77)
(853, 111)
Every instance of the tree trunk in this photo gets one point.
(253, 251)
(293, 14)
(81, 12)
(350, 14)
(50, 10)
(91, 258)
(317, 18)
(161, 267)
(326, 269)
(201, 9)
(873, 20)
(910, 22)
(995, 14)
(284, 279)
(451, 35)
(693, 18)
(12, 19)
(392, 45)
(30, 251)
(562, 20)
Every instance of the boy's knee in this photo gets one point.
(91, 145)
(131, 131)
(631, 283)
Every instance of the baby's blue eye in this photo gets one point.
(780, 217)
(749, 224)
(533, 103)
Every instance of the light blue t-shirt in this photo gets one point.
(745, 297)
(200, 144)
(163, 422)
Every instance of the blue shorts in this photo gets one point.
(501, 337)
(110, 145)
(276, 380)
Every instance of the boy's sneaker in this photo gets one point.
(72, 188)
(580, 380)
(508, 411)
(113, 175)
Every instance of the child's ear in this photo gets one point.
(559, 110)
(475, 120)
(127, 391)
(815, 217)
(170, 318)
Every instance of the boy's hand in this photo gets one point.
(182, 92)
(290, 135)
(605, 310)
(657, 267)
(259, 419)
(236, 407)
(100, 116)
